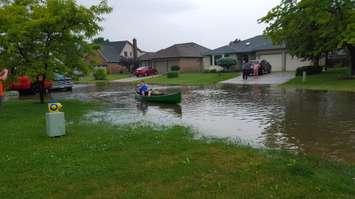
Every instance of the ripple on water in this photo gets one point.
(296, 120)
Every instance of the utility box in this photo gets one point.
(12, 95)
(55, 124)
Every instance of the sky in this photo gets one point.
(158, 24)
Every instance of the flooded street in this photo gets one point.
(313, 122)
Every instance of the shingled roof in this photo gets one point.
(185, 50)
(112, 50)
(258, 43)
(147, 56)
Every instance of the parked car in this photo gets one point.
(61, 82)
(145, 71)
(264, 69)
(266, 66)
(25, 85)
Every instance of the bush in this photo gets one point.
(100, 74)
(175, 68)
(172, 74)
(310, 70)
(227, 63)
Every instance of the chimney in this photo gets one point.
(135, 53)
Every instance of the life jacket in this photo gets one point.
(2, 89)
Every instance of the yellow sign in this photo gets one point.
(55, 107)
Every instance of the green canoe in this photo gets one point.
(174, 98)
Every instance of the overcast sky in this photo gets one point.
(158, 24)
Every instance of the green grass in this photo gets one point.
(104, 161)
(332, 80)
(194, 79)
(90, 79)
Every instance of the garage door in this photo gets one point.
(275, 60)
(161, 67)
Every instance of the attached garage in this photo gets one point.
(188, 56)
(164, 65)
(274, 59)
(259, 47)
(282, 61)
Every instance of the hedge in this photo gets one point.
(172, 74)
(100, 74)
(310, 70)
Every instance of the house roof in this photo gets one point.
(258, 43)
(180, 50)
(112, 50)
(147, 56)
(222, 50)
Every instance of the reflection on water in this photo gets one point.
(304, 121)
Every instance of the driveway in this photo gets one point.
(134, 79)
(275, 78)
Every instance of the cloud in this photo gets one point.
(160, 23)
(153, 7)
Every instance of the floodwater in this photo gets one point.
(312, 122)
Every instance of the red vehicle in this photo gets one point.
(145, 71)
(24, 84)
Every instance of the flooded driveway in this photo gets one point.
(312, 122)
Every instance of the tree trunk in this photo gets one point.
(316, 61)
(352, 59)
(326, 61)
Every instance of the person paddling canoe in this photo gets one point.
(143, 89)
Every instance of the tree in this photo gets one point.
(100, 40)
(310, 28)
(129, 63)
(226, 63)
(40, 37)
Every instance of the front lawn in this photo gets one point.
(104, 161)
(333, 80)
(194, 79)
(90, 78)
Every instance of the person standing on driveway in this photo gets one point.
(256, 68)
(3, 77)
(246, 69)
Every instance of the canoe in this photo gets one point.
(173, 98)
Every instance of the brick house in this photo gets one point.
(110, 55)
(188, 56)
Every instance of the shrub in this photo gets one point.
(227, 63)
(100, 74)
(310, 70)
(173, 74)
(175, 68)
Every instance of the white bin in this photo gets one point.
(55, 124)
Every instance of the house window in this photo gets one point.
(130, 54)
(227, 55)
(211, 60)
(125, 53)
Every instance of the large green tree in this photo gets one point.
(40, 37)
(311, 28)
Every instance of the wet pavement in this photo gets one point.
(133, 79)
(311, 122)
(275, 78)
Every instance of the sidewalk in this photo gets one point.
(275, 78)
(134, 79)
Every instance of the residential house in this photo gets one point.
(188, 56)
(256, 48)
(111, 54)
